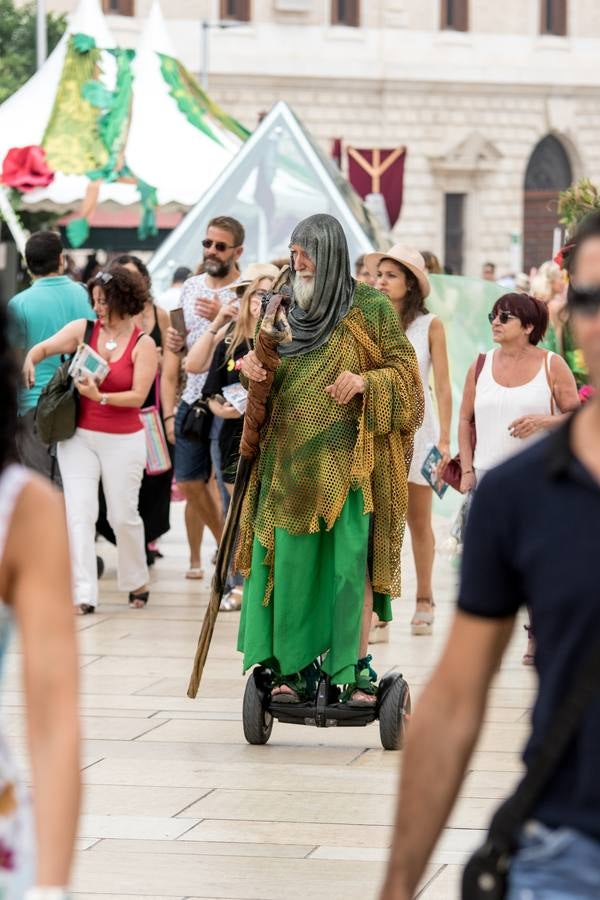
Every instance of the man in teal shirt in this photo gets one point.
(52, 301)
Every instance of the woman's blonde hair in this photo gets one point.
(242, 325)
(542, 283)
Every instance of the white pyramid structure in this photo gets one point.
(279, 177)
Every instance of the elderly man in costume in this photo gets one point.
(323, 518)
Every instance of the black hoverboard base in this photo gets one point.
(392, 709)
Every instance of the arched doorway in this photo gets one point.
(548, 172)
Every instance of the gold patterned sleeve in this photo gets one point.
(394, 399)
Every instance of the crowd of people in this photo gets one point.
(360, 398)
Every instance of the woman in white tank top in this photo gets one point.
(400, 273)
(520, 393)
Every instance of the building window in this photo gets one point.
(345, 12)
(455, 15)
(454, 232)
(236, 9)
(119, 7)
(554, 17)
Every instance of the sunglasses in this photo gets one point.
(503, 316)
(220, 246)
(584, 301)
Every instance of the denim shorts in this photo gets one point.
(192, 458)
(555, 864)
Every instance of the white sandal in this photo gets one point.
(195, 573)
(422, 621)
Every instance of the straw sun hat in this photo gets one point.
(252, 272)
(408, 257)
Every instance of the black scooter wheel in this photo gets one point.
(393, 715)
(99, 566)
(257, 721)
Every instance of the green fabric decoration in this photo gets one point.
(83, 43)
(98, 95)
(78, 231)
(71, 141)
(114, 123)
(149, 200)
(194, 103)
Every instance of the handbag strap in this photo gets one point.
(565, 723)
(479, 365)
(547, 359)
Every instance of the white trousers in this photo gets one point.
(119, 459)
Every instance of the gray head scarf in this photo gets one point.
(323, 239)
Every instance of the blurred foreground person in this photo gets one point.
(531, 537)
(35, 590)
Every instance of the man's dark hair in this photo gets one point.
(125, 292)
(42, 253)
(489, 265)
(181, 274)
(235, 228)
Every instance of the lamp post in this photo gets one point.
(206, 27)
(41, 33)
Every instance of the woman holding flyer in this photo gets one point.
(223, 391)
(109, 441)
(400, 273)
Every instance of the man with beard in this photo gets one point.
(323, 518)
(201, 299)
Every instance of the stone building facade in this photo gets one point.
(498, 104)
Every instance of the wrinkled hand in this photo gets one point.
(170, 430)
(252, 368)
(175, 340)
(28, 372)
(207, 309)
(467, 483)
(346, 386)
(87, 387)
(526, 426)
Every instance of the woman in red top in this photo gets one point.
(109, 442)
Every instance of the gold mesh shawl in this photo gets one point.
(313, 452)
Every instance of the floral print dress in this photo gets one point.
(16, 831)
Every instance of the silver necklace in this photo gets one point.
(111, 343)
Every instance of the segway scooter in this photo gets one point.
(392, 708)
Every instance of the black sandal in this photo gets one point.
(86, 609)
(142, 597)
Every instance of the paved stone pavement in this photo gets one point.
(177, 805)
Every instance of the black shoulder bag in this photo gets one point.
(486, 874)
(57, 408)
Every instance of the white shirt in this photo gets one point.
(170, 299)
(195, 288)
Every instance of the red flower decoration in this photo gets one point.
(25, 168)
(559, 259)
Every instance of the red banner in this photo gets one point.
(379, 171)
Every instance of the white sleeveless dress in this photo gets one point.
(496, 407)
(16, 829)
(428, 434)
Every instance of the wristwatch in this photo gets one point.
(103, 399)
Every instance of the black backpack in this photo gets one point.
(58, 406)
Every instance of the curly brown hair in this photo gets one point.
(124, 292)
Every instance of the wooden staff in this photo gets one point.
(274, 330)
